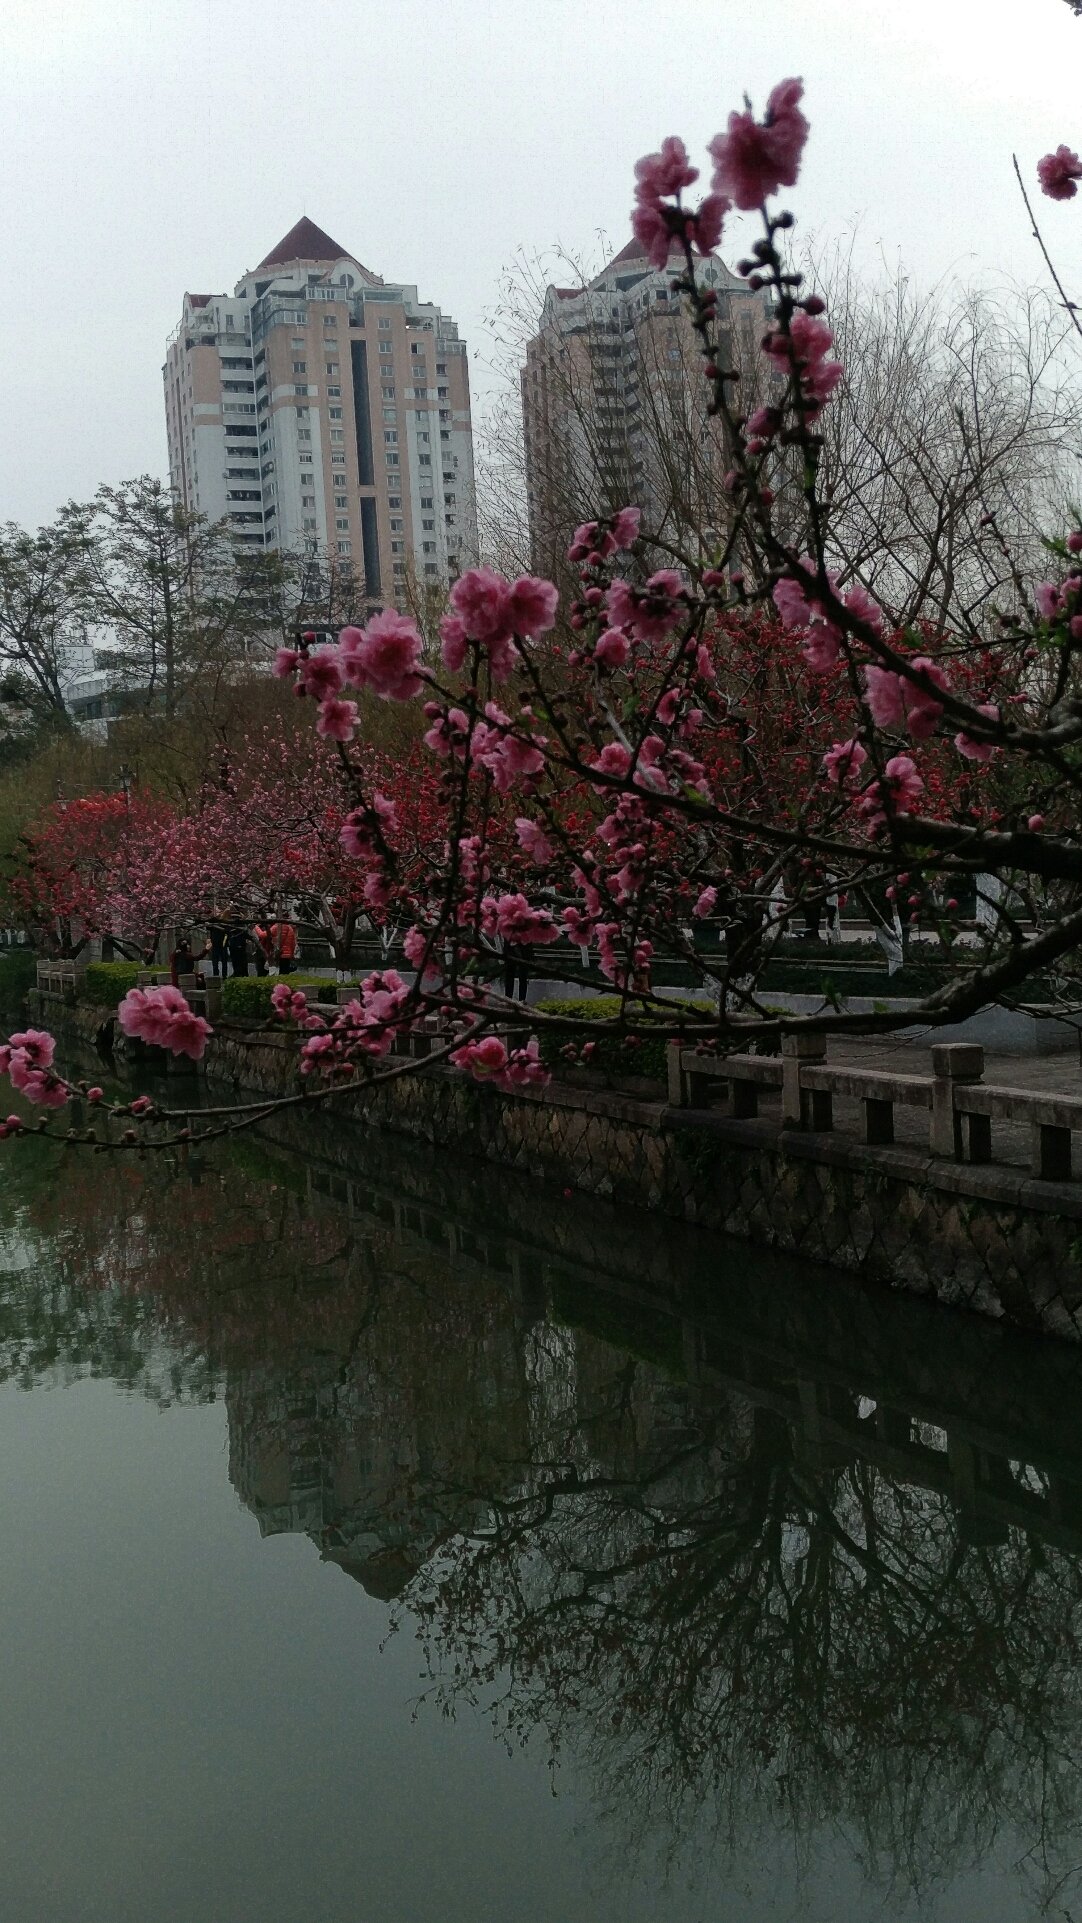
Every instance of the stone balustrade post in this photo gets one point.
(951, 1062)
(796, 1049)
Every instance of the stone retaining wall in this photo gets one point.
(989, 1239)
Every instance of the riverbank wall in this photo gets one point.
(992, 1239)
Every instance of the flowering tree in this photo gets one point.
(730, 737)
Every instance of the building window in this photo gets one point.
(338, 460)
(431, 568)
(441, 367)
(345, 547)
(422, 436)
(308, 522)
(428, 526)
(337, 434)
(308, 500)
(300, 367)
(443, 393)
(342, 526)
(302, 458)
(390, 413)
(298, 341)
(384, 324)
(424, 460)
(341, 500)
(392, 460)
(334, 393)
(398, 547)
(299, 388)
(390, 436)
(332, 368)
(335, 413)
(394, 500)
(330, 320)
(428, 547)
(304, 433)
(388, 392)
(397, 527)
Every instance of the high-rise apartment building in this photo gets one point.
(321, 409)
(615, 406)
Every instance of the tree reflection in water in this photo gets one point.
(757, 1548)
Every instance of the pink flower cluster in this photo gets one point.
(648, 613)
(1059, 173)
(511, 917)
(491, 610)
(362, 829)
(804, 348)
(490, 1060)
(752, 159)
(660, 178)
(594, 541)
(384, 657)
(162, 1018)
(902, 786)
(512, 759)
(364, 1028)
(27, 1060)
(896, 702)
(289, 1004)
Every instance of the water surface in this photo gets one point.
(380, 1537)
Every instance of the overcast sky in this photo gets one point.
(155, 145)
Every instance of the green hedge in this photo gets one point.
(106, 983)
(619, 1054)
(249, 996)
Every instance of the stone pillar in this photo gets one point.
(796, 1049)
(951, 1062)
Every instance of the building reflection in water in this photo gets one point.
(748, 1543)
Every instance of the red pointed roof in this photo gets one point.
(632, 250)
(305, 241)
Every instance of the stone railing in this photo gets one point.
(961, 1106)
(56, 980)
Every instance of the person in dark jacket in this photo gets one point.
(217, 935)
(238, 946)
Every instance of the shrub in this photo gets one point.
(618, 1054)
(248, 997)
(106, 983)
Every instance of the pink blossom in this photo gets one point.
(482, 1059)
(455, 643)
(524, 1069)
(978, 750)
(321, 674)
(661, 174)
(843, 762)
(361, 829)
(614, 759)
(705, 225)
(648, 612)
(905, 782)
(414, 945)
(533, 839)
(804, 349)
(162, 1018)
(884, 697)
(861, 603)
(336, 720)
(652, 230)
(613, 649)
(532, 605)
(821, 645)
(1074, 541)
(480, 598)
(1050, 600)
(39, 1085)
(386, 658)
(625, 527)
(285, 663)
(764, 423)
(517, 921)
(792, 604)
(706, 903)
(582, 541)
(1059, 173)
(1035, 824)
(36, 1047)
(751, 161)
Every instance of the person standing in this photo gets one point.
(263, 948)
(237, 945)
(284, 937)
(217, 935)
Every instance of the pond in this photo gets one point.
(383, 1537)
